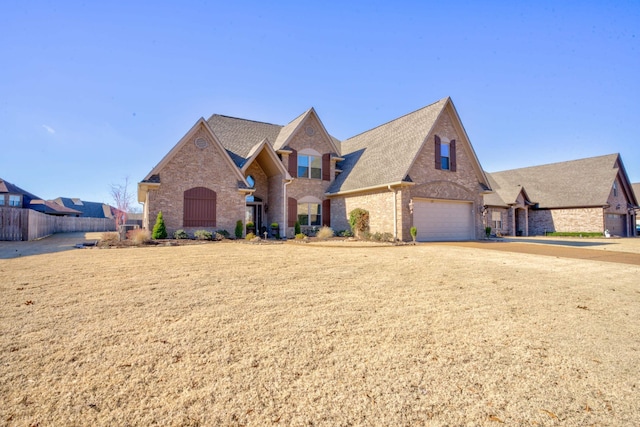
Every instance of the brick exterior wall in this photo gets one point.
(565, 220)
(463, 184)
(378, 203)
(318, 141)
(197, 167)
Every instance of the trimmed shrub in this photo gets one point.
(180, 234)
(110, 237)
(138, 236)
(414, 232)
(238, 230)
(359, 221)
(345, 233)
(159, 229)
(203, 235)
(487, 231)
(324, 233)
(301, 236)
(250, 236)
(223, 233)
(296, 228)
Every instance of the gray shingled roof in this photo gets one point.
(383, 155)
(239, 136)
(88, 209)
(505, 193)
(576, 183)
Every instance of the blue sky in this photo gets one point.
(94, 92)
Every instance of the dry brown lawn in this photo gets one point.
(295, 334)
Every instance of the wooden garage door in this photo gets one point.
(616, 224)
(438, 220)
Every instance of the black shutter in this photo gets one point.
(292, 212)
(452, 155)
(326, 212)
(326, 167)
(438, 156)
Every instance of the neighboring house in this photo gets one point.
(86, 209)
(586, 195)
(13, 196)
(418, 170)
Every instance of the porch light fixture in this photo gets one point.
(411, 206)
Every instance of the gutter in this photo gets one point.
(285, 212)
(374, 187)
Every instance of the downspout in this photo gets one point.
(285, 213)
(395, 213)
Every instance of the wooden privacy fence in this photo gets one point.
(27, 224)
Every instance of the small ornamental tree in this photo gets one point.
(238, 230)
(359, 221)
(159, 229)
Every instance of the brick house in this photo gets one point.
(585, 195)
(419, 169)
(636, 190)
(12, 196)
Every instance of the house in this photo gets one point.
(13, 196)
(86, 209)
(417, 170)
(585, 195)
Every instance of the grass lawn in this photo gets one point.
(295, 334)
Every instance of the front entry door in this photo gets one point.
(254, 214)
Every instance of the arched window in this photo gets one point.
(199, 207)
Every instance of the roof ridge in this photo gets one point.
(397, 118)
(244, 120)
(557, 163)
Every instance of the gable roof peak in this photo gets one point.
(441, 102)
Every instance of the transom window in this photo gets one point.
(14, 200)
(445, 156)
(309, 166)
(310, 213)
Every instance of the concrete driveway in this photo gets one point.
(54, 243)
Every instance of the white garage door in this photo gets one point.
(438, 220)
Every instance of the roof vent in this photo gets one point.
(201, 143)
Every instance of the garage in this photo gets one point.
(616, 224)
(442, 220)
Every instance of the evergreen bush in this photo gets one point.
(359, 221)
(159, 229)
(238, 230)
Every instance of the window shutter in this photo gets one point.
(326, 212)
(292, 212)
(438, 157)
(293, 163)
(452, 155)
(199, 207)
(326, 167)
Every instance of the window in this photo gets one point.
(615, 189)
(1, 199)
(199, 208)
(444, 156)
(14, 200)
(309, 167)
(310, 213)
(496, 220)
(251, 181)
